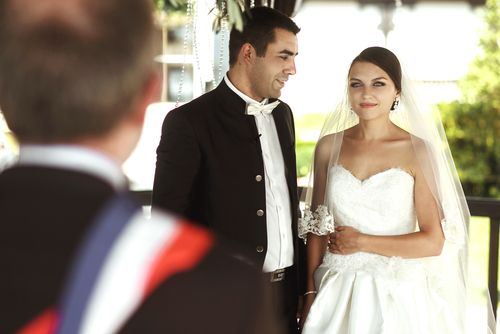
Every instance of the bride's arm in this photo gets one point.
(316, 247)
(316, 244)
(428, 241)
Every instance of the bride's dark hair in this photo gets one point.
(384, 59)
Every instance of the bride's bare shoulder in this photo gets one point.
(329, 140)
(324, 146)
(327, 144)
(417, 153)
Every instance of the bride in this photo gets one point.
(385, 184)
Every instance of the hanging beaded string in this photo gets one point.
(195, 46)
(223, 31)
(221, 52)
(161, 21)
(252, 4)
(187, 30)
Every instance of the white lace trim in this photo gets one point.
(453, 223)
(453, 233)
(319, 222)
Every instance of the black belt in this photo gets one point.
(278, 275)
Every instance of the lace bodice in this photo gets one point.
(381, 204)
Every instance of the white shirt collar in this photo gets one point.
(75, 158)
(245, 98)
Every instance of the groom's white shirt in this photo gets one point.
(278, 211)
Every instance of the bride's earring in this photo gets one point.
(395, 104)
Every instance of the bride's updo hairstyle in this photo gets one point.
(384, 59)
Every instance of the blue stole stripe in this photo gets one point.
(89, 261)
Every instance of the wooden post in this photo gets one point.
(493, 263)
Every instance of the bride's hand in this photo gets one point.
(308, 301)
(345, 240)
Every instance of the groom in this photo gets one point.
(227, 158)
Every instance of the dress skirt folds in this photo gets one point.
(367, 293)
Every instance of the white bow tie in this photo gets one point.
(257, 108)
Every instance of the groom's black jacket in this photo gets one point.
(210, 168)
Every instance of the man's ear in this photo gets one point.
(150, 93)
(247, 52)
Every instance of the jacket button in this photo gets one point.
(258, 178)
(259, 249)
(260, 213)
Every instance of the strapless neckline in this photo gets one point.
(373, 176)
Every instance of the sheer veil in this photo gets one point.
(447, 272)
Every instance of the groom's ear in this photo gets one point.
(247, 52)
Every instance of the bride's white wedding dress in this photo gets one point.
(369, 293)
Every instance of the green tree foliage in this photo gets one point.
(472, 130)
(304, 155)
(482, 83)
(308, 127)
(473, 124)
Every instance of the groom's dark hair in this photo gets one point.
(258, 30)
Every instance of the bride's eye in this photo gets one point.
(379, 83)
(355, 84)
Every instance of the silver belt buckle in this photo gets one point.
(278, 275)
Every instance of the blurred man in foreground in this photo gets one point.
(77, 256)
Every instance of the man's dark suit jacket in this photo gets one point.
(210, 168)
(45, 212)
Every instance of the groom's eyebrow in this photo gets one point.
(288, 52)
